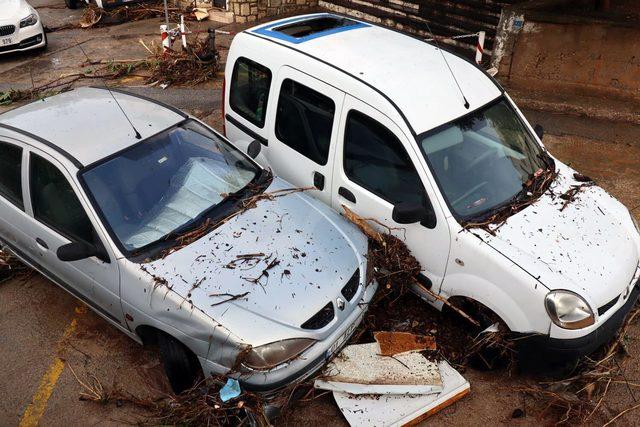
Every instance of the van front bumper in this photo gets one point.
(556, 349)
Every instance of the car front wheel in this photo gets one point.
(180, 364)
(71, 4)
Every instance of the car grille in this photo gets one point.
(7, 30)
(602, 310)
(321, 318)
(351, 288)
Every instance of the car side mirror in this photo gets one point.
(539, 130)
(409, 213)
(254, 148)
(75, 251)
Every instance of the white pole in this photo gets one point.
(480, 47)
(183, 31)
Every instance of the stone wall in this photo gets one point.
(251, 10)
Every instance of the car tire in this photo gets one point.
(71, 4)
(180, 364)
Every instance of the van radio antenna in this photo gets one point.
(137, 134)
(435, 40)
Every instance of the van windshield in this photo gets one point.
(166, 183)
(483, 160)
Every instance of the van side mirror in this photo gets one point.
(254, 148)
(408, 213)
(75, 251)
(539, 130)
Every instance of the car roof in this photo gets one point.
(87, 125)
(408, 71)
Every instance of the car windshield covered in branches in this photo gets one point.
(166, 183)
(483, 160)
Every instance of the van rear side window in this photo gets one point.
(249, 91)
(304, 120)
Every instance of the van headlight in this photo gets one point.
(568, 310)
(270, 356)
(29, 21)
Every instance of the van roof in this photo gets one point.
(410, 72)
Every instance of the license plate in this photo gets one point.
(342, 339)
(6, 41)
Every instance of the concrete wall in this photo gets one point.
(586, 57)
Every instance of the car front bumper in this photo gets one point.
(23, 39)
(564, 349)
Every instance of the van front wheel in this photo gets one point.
(71, 4)
(180, 364)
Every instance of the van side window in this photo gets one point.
(304, 120)
(55, 203)
(249, 91)
(10, 173)
(376, 160)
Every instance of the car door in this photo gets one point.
(374, 171)
(58, 216)
(303, 121)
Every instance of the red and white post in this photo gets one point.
(480, 47)
(166, 39)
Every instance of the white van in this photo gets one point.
(426, 142)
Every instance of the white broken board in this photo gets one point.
(397, 410)
(360, 369)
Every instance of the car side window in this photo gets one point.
(304, 120)
(376, 160)
(11, 173)
(249, 91)
(55, 203)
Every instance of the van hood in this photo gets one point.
(282, 261)
(589, 247)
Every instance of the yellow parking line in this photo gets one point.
(38, 404)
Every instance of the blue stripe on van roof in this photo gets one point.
(268, 30)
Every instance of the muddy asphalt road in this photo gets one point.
(49, 341)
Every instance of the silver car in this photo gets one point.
(175, 237)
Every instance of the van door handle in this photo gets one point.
(42, 243)
(318, 180)
(347, 194)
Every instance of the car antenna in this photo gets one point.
(435, 40)
(137, 134)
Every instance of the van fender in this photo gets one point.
(502, 303)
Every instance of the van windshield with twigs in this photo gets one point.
(484, 160)
(166, 183)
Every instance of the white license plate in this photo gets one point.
(337, 345)
(6, 41)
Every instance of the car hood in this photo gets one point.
(13, 10)
(311, 251)
(588, 247)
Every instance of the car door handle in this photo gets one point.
(347, 194)
(42, 243)
(318, 180)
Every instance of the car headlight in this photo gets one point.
(568, 310)
(29, 20)
(269, 356)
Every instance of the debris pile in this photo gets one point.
(204, 404)
(11, 268)
(95, 16)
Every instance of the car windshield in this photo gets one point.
(483, 160)
(166, 182)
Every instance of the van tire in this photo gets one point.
(71, 4)
(180, 364)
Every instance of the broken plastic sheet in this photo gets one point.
(397, 410)
(361, 369)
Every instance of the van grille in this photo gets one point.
(321, 318)
(6, 30)
(351, 288)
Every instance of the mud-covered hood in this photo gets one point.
(589, 247)
(312, 252)
(13, 10)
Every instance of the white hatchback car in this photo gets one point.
(157, 229)
(376, 121)
(20, 27)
